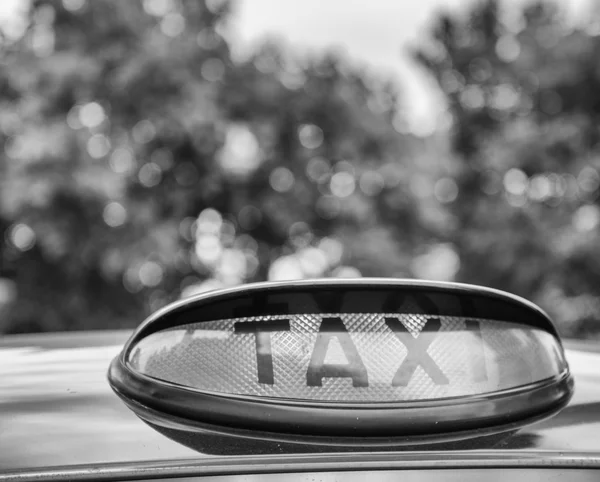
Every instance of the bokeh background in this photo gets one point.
(149, 152)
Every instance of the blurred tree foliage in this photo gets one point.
(141, 160)
(524, 103)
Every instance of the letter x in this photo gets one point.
(417, 352)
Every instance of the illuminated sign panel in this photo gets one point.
(378, 357)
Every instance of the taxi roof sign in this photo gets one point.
(342, 364)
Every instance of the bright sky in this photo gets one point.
(376, 33)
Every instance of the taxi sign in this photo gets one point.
(342, 363)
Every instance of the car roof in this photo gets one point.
(58, 409)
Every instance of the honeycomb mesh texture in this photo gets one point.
(210, 357)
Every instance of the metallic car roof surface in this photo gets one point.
(56, 408)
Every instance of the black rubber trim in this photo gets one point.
(366, 420)
(367, 295)
(221, 440)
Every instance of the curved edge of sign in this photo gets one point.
(428, 418)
